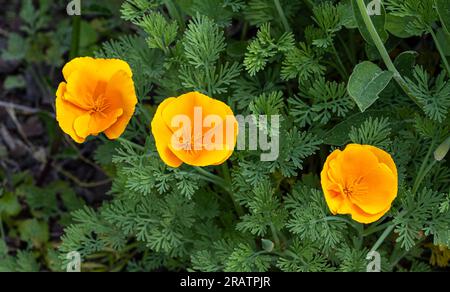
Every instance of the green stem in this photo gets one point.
(282, 15)
(350, 56)
(389, 228)
(226, 185)
(441, 51)
(211, 176)
(342, 69)
(218, 196)
(376, 228)
(276, 238)
(174, 12)
(226, 174)
(422, 177)
(359, 242)
(423, 171)
(398, 258)
(41, 83)
(339, 219)
(244, 31)
(383, 236)
(134, 145)
(336, 218)
(294, 256)
(383, 52)
(145, 113)
(76, 29)
(376, 37)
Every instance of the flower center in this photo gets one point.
(352, 187)
(348, 190)
(99, 104)
(192, 144)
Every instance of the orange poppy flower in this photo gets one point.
(194, 129)
(361, 181)
(97, 97)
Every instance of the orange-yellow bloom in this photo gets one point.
(97, 97)
(361, 181)
(194, 129)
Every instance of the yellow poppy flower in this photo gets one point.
(97, 97)
(194, 129)
(361, 181)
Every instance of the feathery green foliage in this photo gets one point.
(251, 215)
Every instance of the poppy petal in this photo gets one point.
(163, 136)
(66, 113)
(120, 93)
